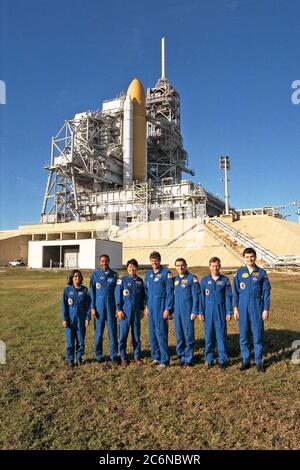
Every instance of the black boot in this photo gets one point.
(245, 366)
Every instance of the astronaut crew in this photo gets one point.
(160, 296)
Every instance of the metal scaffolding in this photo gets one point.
(85, 180)
(86, 156)
(166, 156)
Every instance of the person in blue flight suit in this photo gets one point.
(103, 308)
(159, 299)
(130, 303)
(186, 310)
(76, 316)
(251, 301)
(216, 312)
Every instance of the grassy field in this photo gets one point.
(43, 405)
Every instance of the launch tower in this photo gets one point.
(125, 162)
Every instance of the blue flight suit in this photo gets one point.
(159, 297)
(130, 298)
(102, 292)
(216, 303)
(186, 302)
(75, 310)
(251, 294)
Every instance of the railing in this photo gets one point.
(287, 261)
(230, 246)
(263, 253)
(181, 235)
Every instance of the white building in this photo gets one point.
(69, 254)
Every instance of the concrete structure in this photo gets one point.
(69, 254)
(14, 243)
(190, 238)
(282, 237)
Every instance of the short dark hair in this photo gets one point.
(249, 251)
(155, 255)
(105, 256)
(214, 259)
(133, 262)
(180, 260)
(72, 274)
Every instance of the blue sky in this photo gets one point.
(233, 63)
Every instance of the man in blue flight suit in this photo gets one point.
(186, 309)
(251, 301)
(76, 316)
(130, 302)
(103, 308)
(216, 312)
(159, 298)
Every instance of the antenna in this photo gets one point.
(163, 59)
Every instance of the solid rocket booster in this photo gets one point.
(128, 141)
(137, 96)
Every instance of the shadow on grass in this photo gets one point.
(278, 347)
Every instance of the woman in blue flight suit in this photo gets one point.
(130, 303)
(76, 316)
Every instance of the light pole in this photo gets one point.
(224, 164)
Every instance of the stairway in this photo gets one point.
(237, 241)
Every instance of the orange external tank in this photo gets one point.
(137, 95)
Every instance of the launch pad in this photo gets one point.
(125, 162)
(115, 182)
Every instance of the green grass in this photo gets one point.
(43, 405)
